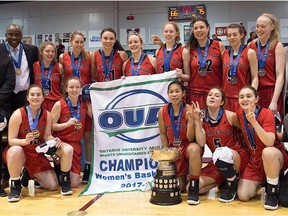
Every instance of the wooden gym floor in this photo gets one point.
(128, 203)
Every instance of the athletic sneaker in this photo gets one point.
(15, 191)
(24, 177)
(229, 193)
(193, 193)
(65, 185)
(271, 202)
(2, 192)
(37, 185)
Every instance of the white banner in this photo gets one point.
(125, 114)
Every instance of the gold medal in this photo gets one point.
(36, 133)
(78, 125)
(18, 71)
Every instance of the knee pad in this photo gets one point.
(223, 160)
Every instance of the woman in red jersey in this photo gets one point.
(107, 62)
(229, 159)
(177, 126)
(172, 55)
(239, 67)
(69, 116)
(205, 61)
(268, 158)
(271, 62)
(49, 74)
(139, 63)
(29, 127)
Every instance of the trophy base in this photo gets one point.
(165, 197)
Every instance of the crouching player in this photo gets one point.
(30, 126)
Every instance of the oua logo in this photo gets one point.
(131, 112)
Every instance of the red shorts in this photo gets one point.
(35, 162)
(200, 98)
(265, 98)
(232, 104)
(88, 124)
(48, 104)
(213, 172)
(254, 170)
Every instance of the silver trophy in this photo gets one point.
(166, 189)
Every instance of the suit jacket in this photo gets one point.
(7, 84)
(31, 53)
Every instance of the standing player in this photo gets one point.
(69, 116)
(177, 127)
(29, 127)
(271, 62)
(172, 55)
(78, 63)
(239, 67)
(268, 157)
(49, 74)
(205, 61)
(107, 62)
(139, 63)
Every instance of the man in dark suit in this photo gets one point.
(23, 56)
(7, 85)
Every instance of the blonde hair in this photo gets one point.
(177, 39)
(43, 46)
(274, 36)
(72, 37)
(136, 34)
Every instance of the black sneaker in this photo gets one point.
(193, 192)
(271, 202)
(37, 185)
(15, 191)
(229, 193)
(24, 177)
(2, 192)
(65, 186)
(86, 174)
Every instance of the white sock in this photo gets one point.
(232, 178)
(87, 162)
(14, 179)
(273, 181)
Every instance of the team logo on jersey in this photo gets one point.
(131, 112)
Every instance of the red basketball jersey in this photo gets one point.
(116, 68)
(146, 67)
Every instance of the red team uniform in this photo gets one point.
(146, 67)
(220, 135)
(199, 86)
(116, 68)
(55, 93)
(70, 135)
(36, 162)
(255, 170)
(267, 82)
(182, 163)
(243, 76)
(85, 77)
(176, 59)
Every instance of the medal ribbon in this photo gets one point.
(45, 79)
(219, 116)
(76, 70)
(17, 64)
(234, 65)
(32, 124)
(250, 131)
(262, 59)
(73, 114)
(136, 72)
(203, 58)
(167, 58)
(107, 69)
(176, 128)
